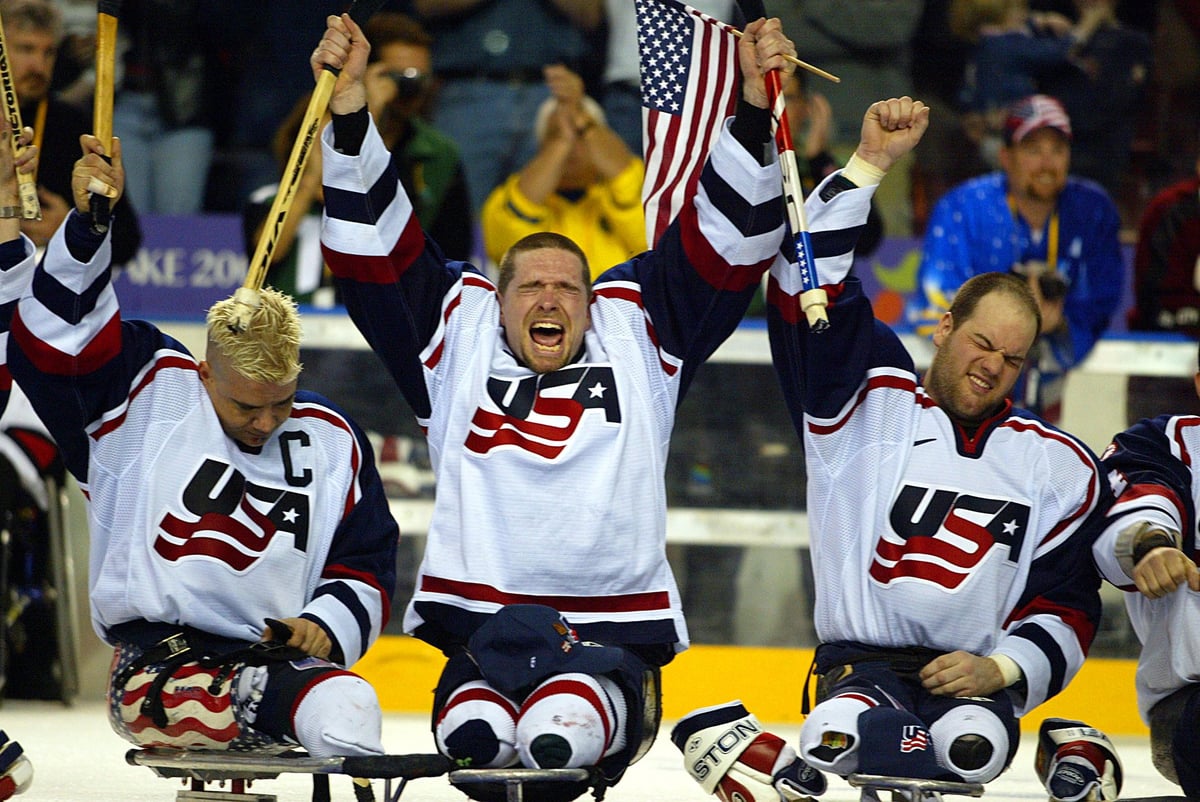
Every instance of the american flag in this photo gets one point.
(914, 739)
(690, 77)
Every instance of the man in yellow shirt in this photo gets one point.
(583, 182)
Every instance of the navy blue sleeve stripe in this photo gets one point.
(835, 243)
(756, 218)
(350, 600)
(65, 303)
(1049, 647)
(358, 207)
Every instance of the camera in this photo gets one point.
(410, 82)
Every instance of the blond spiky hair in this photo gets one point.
(268, 350)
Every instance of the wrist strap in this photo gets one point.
(862, 173)
(1152, 541)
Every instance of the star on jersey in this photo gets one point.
(597, 390)
(939, 535)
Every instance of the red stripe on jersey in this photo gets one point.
(1137, 492)
(338, 572)
(369, 269)
(634, 296)
(904, 383)
(436, 356)
(1077, 620)
(5, 378)
(581, 690)
(1089, 500)
(177, 362)
(321, 413)
(917, 569)
(102, 348)
(709, 264)
(476, 591)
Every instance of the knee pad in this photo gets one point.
(339, 715)
(972, 742)
(570, 721)
(829, 737)
(478, 727)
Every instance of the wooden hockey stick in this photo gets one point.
(26, 182)
(108, 12)
(247, 295)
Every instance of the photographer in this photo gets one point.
(399, 86)
(1030, 217)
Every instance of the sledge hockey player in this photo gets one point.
(16, 771)
(219, 496)
(548, 405)
(1148, 549)
(950, 531)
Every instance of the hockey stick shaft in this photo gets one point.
(26, 182)
(281, 206)
(102, 113)
(813, 299)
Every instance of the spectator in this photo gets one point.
(1148, 549)
(162, 107)
(866, 44)
(1033, 218)
(32, 32)
(226, 496)
(622, 97)
(1015, 50)
(488, 58)
(398, 86)
(1166, 263)
(583, 182)
(1103, 89)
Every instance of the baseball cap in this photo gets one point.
(1032, 113)
(523, 644)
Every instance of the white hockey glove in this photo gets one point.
(1077, 763)
(727, 751)
(16, 772)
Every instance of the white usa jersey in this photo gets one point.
(925, 535)
(550, 487)
(187, 526)
(1151, 469)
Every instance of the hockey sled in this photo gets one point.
(240, 769)
(514, 780)
(910, 789)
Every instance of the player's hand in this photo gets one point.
(960, 674)
(761, 49)
(95, 174)
(1163, 570)
(344, 47)
(307, 636)
(890, 129)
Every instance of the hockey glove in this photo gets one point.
(1077, 762)
(727, 751)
